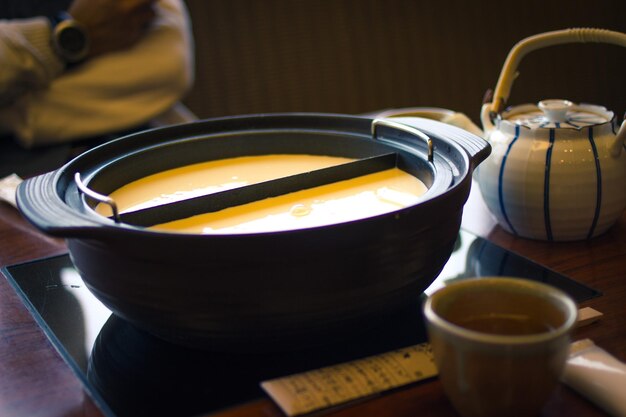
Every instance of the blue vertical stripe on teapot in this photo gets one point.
(557, 170)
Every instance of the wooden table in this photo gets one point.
(35, 381)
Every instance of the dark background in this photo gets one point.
(357, 56)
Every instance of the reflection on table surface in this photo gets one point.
(132, 370)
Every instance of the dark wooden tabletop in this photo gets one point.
(35, 380)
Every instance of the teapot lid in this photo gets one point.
(558, 114)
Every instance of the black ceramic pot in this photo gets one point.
(264, 290)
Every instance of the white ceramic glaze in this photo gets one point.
(554, 180)
(557, 170)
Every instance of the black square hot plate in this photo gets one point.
(129, 372)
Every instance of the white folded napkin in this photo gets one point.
(8, 187)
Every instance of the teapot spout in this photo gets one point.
(620, 140)
(461, 120)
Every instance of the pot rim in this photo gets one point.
(58, 189)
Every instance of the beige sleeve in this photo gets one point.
(28, 61)
(112, 92)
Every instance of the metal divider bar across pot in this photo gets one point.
(215, 201)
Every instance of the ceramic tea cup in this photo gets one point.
(500, 344)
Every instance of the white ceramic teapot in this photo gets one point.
(557, 170)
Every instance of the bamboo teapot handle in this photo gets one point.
(532, 43)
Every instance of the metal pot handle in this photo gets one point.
(475, 147)
(406, 128)
(88, 192)
(558, 37)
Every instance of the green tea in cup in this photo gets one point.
(500, 344)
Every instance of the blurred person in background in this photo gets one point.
(85, 71)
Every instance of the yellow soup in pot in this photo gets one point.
(210, 177)
(352, 199)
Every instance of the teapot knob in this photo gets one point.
(555, 110)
